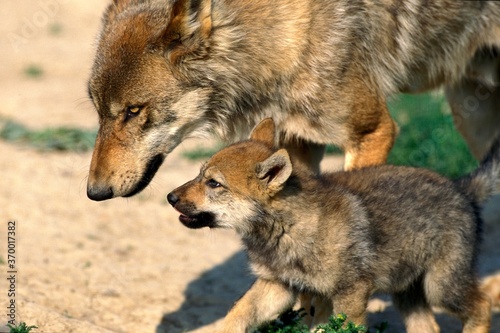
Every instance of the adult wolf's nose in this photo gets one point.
(172, 199)
(99, 193)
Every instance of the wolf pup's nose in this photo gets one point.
(172, 199)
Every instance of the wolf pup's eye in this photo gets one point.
(132, 111)
(212, 183)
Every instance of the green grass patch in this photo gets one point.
(48, 139)
(201, 153)
(428, 137)
(55, 28)
(21, 328)
(33, 71)
(291, 322)
(333, 150)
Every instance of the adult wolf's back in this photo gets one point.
(167, 70)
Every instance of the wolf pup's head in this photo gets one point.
(142, 87)
(234, 183)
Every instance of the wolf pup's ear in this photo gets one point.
(188, 31)
(264, 132)
(275, 171)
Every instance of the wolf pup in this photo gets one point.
(344, 235)
(322, 69)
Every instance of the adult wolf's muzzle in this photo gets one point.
(121, 183)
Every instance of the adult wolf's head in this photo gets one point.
(143, 87)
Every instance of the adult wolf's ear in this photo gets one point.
(188, 30)
(274, 171)
(115, 8)
(264, 132)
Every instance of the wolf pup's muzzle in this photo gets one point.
(191, 220)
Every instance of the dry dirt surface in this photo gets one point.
(124, 265)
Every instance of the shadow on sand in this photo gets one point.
(209, 297)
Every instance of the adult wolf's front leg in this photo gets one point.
(373, 135)
(264, 301)
(371, 130)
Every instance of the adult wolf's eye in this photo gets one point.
(132, 111)
(213, 183)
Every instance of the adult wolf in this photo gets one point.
(323, 69)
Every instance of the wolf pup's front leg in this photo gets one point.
(264, 301)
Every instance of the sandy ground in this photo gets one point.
(125, 265)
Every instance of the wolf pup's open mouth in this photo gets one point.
(198, 221)
(189, 215)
